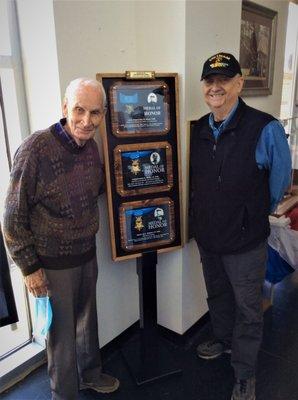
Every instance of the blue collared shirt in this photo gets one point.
(65, 136)
(272, 153)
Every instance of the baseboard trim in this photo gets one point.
(25, 367)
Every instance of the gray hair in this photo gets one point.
(81, 82)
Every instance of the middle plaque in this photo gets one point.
(143, 168)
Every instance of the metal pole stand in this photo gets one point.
(148, 356)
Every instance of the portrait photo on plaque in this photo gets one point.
(143, 168)
(146, 224)
(139, 108)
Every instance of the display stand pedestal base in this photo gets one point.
(148, 356)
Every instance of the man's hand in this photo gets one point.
(37, 283)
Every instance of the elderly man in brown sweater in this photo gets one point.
(50, 221)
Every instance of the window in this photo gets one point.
(13, 125)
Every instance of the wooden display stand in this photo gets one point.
(142, 164)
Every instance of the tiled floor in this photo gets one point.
(277, 377)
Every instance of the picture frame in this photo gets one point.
(257, 48)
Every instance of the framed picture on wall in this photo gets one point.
(257, 48)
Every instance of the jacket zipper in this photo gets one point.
(214, 148)
(214, 151)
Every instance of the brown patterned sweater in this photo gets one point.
(51, 211)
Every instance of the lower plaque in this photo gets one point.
(146, 223)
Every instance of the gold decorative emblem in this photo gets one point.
(135, 167)
(139, 224)
(129, 108)
(140, 74)
(219, 61)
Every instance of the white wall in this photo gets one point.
(39, 55)
(94, 36)
(211, 26)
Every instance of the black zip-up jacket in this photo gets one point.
(230, 194)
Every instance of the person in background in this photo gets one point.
(50, 221)
(240, 168)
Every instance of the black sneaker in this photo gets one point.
(212, 349)
(105, 384)
(244, 389)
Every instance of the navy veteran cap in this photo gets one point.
(221, 63)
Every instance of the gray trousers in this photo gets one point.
(72, 345)
(234, 286)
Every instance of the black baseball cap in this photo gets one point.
(221, 63)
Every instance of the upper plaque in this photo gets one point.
(139, 108)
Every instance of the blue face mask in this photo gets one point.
(43, 316)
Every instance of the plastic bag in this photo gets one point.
(43, 316)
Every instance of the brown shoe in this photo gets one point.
(105, 384)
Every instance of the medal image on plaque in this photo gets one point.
(143, 168)
(139, 109)
(146, 224)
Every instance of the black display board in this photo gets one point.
(142, 162)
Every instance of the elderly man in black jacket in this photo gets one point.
(240, 165)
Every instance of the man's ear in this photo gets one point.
(64, 109)
(240, 83)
